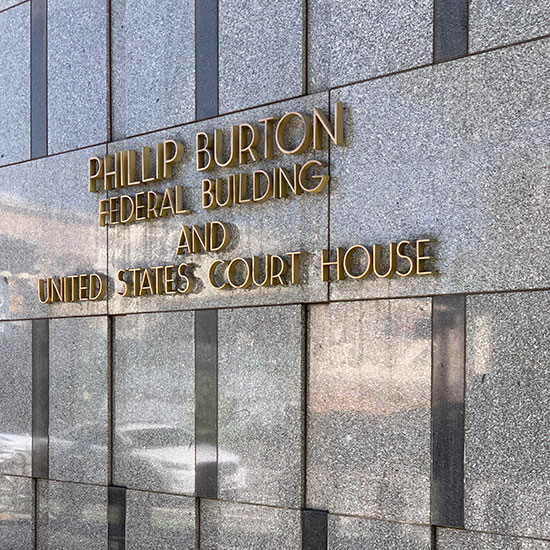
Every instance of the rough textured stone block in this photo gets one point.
(457, 152)
(369, 409)
(71, 515)
(260, 52)
(154, 402)
(507, 416)
(159, 522)
(276, 226)
(241, 527)
(449, 539)
(50, 229)
(260, 405)
(16, 397)
(153, 53)
(77, 74)
(349, 533)
(15, 83)
(498, 22)
(79, 391)
(16, 513)
(351, 41)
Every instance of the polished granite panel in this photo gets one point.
(16, 513)
(450, 539)
(349, 533)
(16, 397)
(154, 402)
(261, 54)
(229, 526)
(153, 64)
(5, 4)
(77, 74)
(71, 516)
(351, 41)
(79, 391)
(260, 377)
(15, 83)
(50, 229)
(495, 23)
(276, 226)
(159, 522)
(427, 159)
(369, 409)
(507, 480)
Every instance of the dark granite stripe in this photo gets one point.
(40, 397)
(116, 514)
(314, 530)
(450, 29)
(111, 397)
(206, 58)
(206, 403)
(39, 78)
(448, 374)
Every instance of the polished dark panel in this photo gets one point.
(314, 529)
(447, 490)
(450, 29)
(206, 403)
(40, 397)
(39, 78)
(206, 58)
(116, 514)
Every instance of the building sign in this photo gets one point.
(236, 151)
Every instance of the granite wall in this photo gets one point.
(409, 413)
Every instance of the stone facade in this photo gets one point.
(379, 413)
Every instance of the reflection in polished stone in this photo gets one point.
(49, 229)
(228, 526)
(369, 409)
(507, 463)
(349, 533)
(16, 513)
(71, 516)
(159, 522)
(260, 405)
(154, 402)
(79, 390)
(16, 397)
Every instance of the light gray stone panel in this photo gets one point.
(154, 402)
(351, 533)
(507, 474)
(498, 22)
(16, 513)
(451, 539)
(71, 516)
(351, 41)
(369, 409)
(228, 526)
(16, 397)
(276, 226)
(77, 74)
(5, 4)
(79, 391)
(260, 354)
(260, 52)
(153, 49)
(156, 521)
(457, 152)
(50, 229)
(15, 84)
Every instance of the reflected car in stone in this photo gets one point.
(15, 454)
